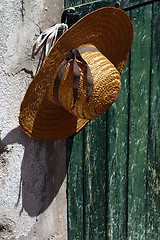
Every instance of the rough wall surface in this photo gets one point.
(32, 173)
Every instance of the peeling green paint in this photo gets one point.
(118, 154)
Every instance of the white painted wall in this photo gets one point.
(40, 165)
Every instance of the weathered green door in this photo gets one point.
(114, 162)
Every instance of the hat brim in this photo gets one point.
(110, 30)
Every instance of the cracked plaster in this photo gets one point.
(26, 163)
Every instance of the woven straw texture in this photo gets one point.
(108, 29)
(107, 83)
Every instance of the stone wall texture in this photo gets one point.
(32, 173)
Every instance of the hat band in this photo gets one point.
(74, 54)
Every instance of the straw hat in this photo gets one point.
(80, 77)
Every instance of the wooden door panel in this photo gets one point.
(138, 125)
(114, 162)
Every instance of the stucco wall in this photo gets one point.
(32, 173)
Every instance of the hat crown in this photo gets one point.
(106, 80)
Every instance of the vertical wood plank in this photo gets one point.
(75, 186)
(95, 179)
(117, 142)
(138, 127)
(153, 177)
(87, 182)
